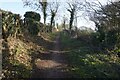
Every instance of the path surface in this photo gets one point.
(53, 64)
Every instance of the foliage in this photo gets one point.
(108, 25)
(87, 62)
(32, 22)
(71, 44)
(11, 24)
(38, 5)
(33, 27)
(16, 59)
(32, 15)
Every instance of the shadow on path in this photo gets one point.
(51, 64)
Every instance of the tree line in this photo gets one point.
(106, 19)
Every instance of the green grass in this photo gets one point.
(85, 62)
(71, 44)
(94, 65)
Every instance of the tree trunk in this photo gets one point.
(71, 21)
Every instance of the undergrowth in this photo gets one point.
(86, 62)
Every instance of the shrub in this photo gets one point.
(32, 22)
(33, 28)
(32, 15)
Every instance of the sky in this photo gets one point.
(16, 6)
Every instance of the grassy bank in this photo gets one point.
(87, 62)
(19, 53)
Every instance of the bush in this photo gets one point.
(33, 28)
(32, 22)
(10, 24)
(32, 15)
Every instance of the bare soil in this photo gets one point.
(51, 64)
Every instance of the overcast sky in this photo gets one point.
(16, 6)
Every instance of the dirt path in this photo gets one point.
(53, 65)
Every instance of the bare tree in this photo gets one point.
(73, 8)
(64, 22)
(44, 8)
(53, 10)
(38, 5)
(106, 19)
